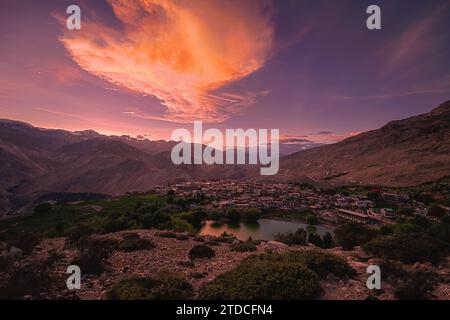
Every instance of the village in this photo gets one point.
(375, 208)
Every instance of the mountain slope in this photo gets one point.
(404, 152)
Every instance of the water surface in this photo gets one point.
(264, 229)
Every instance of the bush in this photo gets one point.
(194, 217)
(436, 212)
(197, 275)
(201, 251)
(163, 286)
(299, 237)
(26, 241)
(233, 215)
(134, 244)
(407, 248)
(243, 247)
(43, 208)
(416, 286)
(316, 240)
(182, 237)
(327, 240)
(78, 236)
(92, 258)
(352, 234)
(216, 215)
(181, 225)
(321, 263)
(252, 215)
(29, 279)
(212, 243)
(311, 219)
(290, 275)
(259, 279)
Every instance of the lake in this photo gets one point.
(264, 229)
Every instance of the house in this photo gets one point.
(387, 213)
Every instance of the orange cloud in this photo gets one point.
(178, 51)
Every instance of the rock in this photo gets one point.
(15, 252)
(276, 244)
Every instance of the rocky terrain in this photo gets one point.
(172, 254)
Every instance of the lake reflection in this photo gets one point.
(264, 229)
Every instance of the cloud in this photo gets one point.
(407, 50)
(325, 132)
(178, 51)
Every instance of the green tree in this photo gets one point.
(311, 220)
(327, 240)
(233, 215)
(316, 240)
(252, 215)
(353, 234)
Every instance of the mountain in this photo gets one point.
(36, 161)
(401, 153)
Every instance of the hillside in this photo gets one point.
(401, 153)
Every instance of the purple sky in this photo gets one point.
(310, 68)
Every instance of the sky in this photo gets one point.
(147, 67)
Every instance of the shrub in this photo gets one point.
(134, 244)
(408, 248)
(181, 225)
(216, 215)
(163, 286)
(43, 208)
(316, 240)
(194, 217)
(299, 237)
(5, 263)
(436, 212)
(290, 275)
(252, 215)
(29, 279)
(321, 263)
(311, 219)
(78, 236)
(131, 235)
(327, 240)
(92, 258)
(243, 247)
(212, 243)
(25, 241)
(352, 234)
(256, 279)
(233, 215)
(416, 286)
(201, 251)
(182, 237)
(197, 275)
(167, 234)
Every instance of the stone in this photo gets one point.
(15, 252)
(276, 244)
